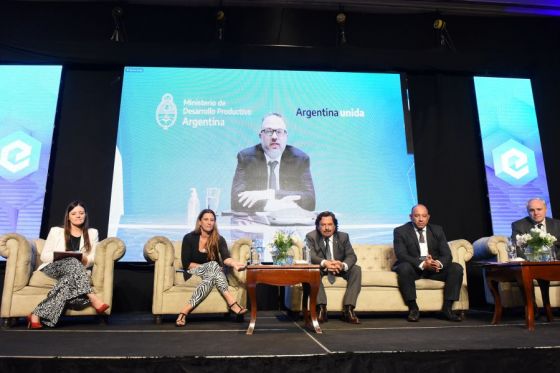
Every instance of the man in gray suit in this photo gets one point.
(333, 251)
(536, 210)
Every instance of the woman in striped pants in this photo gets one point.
(203, 253)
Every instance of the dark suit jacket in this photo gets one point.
(407, 248)
(342, 248)
(524, 226)
(252, 174)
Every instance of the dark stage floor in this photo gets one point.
(134, 336)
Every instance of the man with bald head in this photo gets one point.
(423, 252)
(536, 210)
(272, 175)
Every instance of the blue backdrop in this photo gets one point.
(512, 148)
(28, 99)
(182, 128)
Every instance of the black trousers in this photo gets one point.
(407, 274)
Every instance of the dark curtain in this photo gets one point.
(545, 92)
(84, 146)
(448, 154)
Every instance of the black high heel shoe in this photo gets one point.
(181, 320)
(242, 311)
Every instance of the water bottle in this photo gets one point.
(511, 250)
(193, 208)
(306, 254)
(254, 254)
(259, 251)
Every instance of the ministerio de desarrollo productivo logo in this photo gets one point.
(166, 112)
(514, 163)
(19, 155)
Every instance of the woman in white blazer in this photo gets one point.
(73, 287)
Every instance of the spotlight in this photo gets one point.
(439, 24)
(119, 34)
(220, 23)
(445, 40)
(341, 22)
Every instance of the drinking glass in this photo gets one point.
(212, 198)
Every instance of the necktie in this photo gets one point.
(329, 257)
(539, 226)
(328, 251)
(421, 238)
(272, 175)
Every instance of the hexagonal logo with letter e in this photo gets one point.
(19, 155)
(514, 163)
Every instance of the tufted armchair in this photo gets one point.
(171, 291)
(380, 291)
(494, 249)
(25, 288)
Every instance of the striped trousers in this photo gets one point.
(212, 275)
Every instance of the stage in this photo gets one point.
(385, 343)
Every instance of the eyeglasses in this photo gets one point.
(279, 132)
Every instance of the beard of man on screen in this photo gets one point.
(272, 175)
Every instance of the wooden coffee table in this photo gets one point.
(524, 273)
(284, 276)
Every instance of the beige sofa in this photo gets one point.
(380, 292)
(171, 291)
(494, 249)
(24, 287)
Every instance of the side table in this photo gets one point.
(284, 276)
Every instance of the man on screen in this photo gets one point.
(272, 176)
(423, 252)
(536, 210)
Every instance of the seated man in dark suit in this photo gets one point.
(536, 210)
(272, 175)
(423, 252)
(333, 251)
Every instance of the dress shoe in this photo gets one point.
(33, 325)
(322, 313)
(349, 316)
(449, 315)
(413, 315)
(101, 309)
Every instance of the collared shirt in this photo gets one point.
(423, 245)
(543, 229)
(331, 248)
